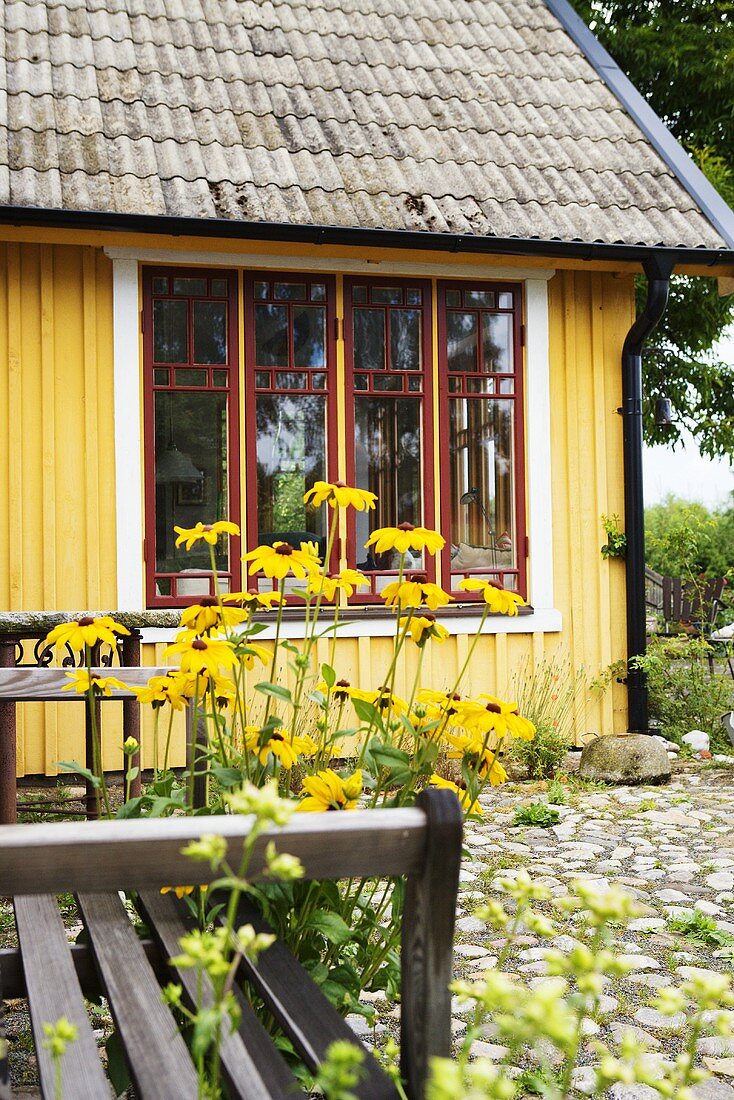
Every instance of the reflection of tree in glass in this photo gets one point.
(388, 435)
(291, 456)
(405, 351)
(309, 336)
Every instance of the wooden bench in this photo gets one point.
(95, 860)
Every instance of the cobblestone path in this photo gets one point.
(672, 847)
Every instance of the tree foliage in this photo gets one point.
(683, 536)
(680, 54)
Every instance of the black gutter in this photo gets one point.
(271, 232)
(658, 271)
(698, 187)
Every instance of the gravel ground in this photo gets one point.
(672, 847)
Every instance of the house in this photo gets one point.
(250, 244)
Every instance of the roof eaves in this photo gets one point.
(692, 178)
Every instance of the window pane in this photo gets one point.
(405, 339)
(388, 382)
(289, 380)
(497, 342)
(413, 296)
(453, 298)
(188, 377)
(220, 377)
(271, 336)
(170, 335)
(262, 290)
(484, 298)
(318, 292)
(369, 339)
(160, 285)
(160, 376)
(291, 456)
(461, 332)
(318, 381)
(219, 288)
(387, 461)
(189, 286)
(386, 295)
(359, 294)
(481, 455)
(505, 300)
(309, 336)
(210, 332)
(290, 292)
(191, 475)
(262, 379)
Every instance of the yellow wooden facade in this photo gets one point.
(57, 467)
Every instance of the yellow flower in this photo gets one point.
(172, 688)
(499, 600)
(253, 650)
(518, 726)
(102, 685)
(496, 773)
(471, 807)
(474, 748)
(480, 717)
(280, 744)
(281, 559)
(86, 631)
(253, 601)
(181, 891)
(439, 701)
(209, 532)
(405, 537)
(203, 655)
(328, 586)
(382, 699)
(225, 691)
(327, 791)
(413, 593)
(339, 495)
(208, 615)
(423, 627)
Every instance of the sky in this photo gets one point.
(684, 472)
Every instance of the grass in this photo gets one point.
(700, 928)
(537, 814)
(557, 794)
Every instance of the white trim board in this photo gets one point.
(410, 266)
(128, 427)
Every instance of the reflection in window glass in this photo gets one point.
(484, 298)
(497, 342)
(413, 296)
(262, 290)
(290, 292)
(453, 298)
(170, 332)
(318, 292)
(463, 349)
(187, 377)
(189, 286)
(191, 475)
(160, 285)
(481, 456)
(271, 336)
(160, 376)
(220, 289)
(359, 294)
(309, 336)
(291, 456)
(405, 339)
(386, 295)
(387, 461)
(505, 300)
(369, 339)
(210, 332)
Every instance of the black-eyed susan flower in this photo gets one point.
(470, 805)
(338, 495)
(517, 726)
(208, 532)
(173, 688)
(500, 600)
(383, 699)
(405, 537)
(328, 791)
(205, 655)
(414, 592)
(86, 631)
(182, 891)
(422, 628)
(254, 601)
(285, 747)
(81, 682)
(209, 616)
(281, 559)
(327, 585)
(478, 752)
(252, 652)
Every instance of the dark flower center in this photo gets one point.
(277, 737)
(87, 620)
(428, 617)
(198, 643)
(493, 708)
(207, 527)
(418, 578)
(340, 484)
(285, 549)
(406, 527)
(342, 683)
(208, 601)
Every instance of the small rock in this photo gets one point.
(722, 1067)
(493, 1051)
(629, 760)
(650, 1017)
(697, 740)
(640, 962)
(720, 880)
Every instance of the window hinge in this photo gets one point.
(527, 547)
(338, 328)
(522, 336)
(145, 550)
(142, 320)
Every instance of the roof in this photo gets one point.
(474, 117)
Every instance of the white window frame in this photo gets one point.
(129, 481)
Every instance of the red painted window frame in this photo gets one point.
(427, 397)
(233, 451)
(252, 276)
(518, 397)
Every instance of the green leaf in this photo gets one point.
(275, 690)
(329, 675)
(367, 712)
(330, 925)
(227, 777)
(117, 1070)
(387, 756)
(75, 766)
(132, 774)
(131, 808)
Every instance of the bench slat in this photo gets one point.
(28, 685)
(159, 1061)
(253, 1068)
(303, 1012)
(53, 991)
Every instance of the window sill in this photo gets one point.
(376, 622)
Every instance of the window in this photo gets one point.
(466, 477)
(387, 327)
(482, 485)
(191, 428)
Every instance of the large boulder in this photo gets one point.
(625, 761)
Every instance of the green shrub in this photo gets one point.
(541, 757)
(700, 928)
(549, 693)
(538, 814)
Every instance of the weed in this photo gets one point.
(700, 928)
(557, 795)
(539, 814)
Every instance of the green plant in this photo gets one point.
(700, 928)
(550, 694)
(557, 793)
(616, 544)
(539, 814)
(542, 757)
(58, 1038)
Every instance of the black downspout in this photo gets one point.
(658, 271)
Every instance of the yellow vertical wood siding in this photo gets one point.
(57, 512)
